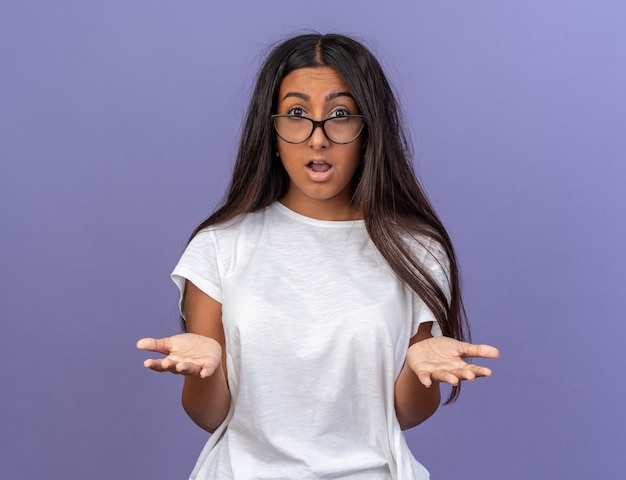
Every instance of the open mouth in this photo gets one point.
(318, 167)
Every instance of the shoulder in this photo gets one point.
(427, 250)
(237, 237)
(217, 249)
(240, 225)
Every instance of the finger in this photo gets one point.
(156, 365)
(465, 375)
(470, 372)
(207, 370)
(481, 371)
(481, 350)
(446, 376)
(168, 365)
(185, 368)
(425, 379)
(165, 365)
(160, 345)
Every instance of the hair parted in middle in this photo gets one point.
(385, 187)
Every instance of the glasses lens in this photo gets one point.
(343, 129)
(293, 129)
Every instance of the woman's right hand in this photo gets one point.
(185, 354)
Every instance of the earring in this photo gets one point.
(277, 155)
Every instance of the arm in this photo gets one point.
(206, 400)
(430, 360)
(414, 402)
(200, 355)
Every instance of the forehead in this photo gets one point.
(314, 82)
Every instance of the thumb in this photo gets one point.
(160, 345)
(482, 350)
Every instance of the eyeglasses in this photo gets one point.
(342, 129)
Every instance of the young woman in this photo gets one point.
(321, 301)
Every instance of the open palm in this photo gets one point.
(186, 354)
(441, 359)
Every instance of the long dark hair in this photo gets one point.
(386, 189)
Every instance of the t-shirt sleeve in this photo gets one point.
(200, 265)
(437, 262)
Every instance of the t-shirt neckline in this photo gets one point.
(314, 221)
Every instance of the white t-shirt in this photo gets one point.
(317, 327)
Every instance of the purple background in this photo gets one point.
(118, 124)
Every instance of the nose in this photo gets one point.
(318, 139)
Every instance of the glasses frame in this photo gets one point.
(315, 124)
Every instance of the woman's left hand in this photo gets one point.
(441, 359)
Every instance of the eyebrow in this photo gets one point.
(307, 98)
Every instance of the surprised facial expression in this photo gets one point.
(320, 171)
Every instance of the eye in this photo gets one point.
(296, 112)
(340, 112)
